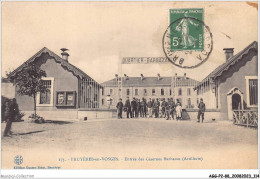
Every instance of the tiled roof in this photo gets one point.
(151, 81)
(76, 71)
(225, 66)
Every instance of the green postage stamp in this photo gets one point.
(187, 41)
(186, 29)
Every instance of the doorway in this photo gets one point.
(236, 102)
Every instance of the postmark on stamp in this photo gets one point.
(187, 42)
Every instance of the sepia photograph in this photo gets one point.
(129, 85)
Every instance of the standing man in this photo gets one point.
(108, 98)
(156, 106)
(119, 107)
(143, 108)
(163, 108)
(138, 108)
(172, 108)
(11, 111)
(149, 106)
(134, 107)
(178, 111)
(202, 108)
(153, 109)
(128, 108)
(167, 109)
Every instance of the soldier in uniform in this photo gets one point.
(119, 107)
(128, 108)
(138, 107)
(143, 108)
(167, 109)
(11, 111)
(163, 108)
(172, 108)
(156, 106)
(149, 106)
(134, 108)
(153, 109)
(202, 108)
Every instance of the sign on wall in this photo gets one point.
(66, 98)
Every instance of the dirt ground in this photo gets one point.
(131, 144)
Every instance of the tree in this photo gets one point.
(29, 82)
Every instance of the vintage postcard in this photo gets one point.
(129, 85)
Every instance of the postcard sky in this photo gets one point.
(99, 34)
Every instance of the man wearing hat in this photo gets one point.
(119, 107)
(134, 108)
(202, 108)
(163, 108)
(156, 106)
(149, 106)
(11, 111)
(128, 108)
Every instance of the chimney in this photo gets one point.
(142, 76)
(158, 75)
(185, 76)
(65, 55)
(229, 53)
(126, 77)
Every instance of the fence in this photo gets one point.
(89, 94)
(248, 118)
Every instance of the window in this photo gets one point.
(111, 91)
(145, 92)
(127, 92)
(102, 90)
(170, 92)
(179, 92)
(46, 99)
(253, 96)
(103, 101)
(162, 92)
(188, 91)
(136, 91)
(153, 91)
(189, 103)
(252, 91)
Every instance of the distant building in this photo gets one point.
(69, 87)
(234, 84)
(177, 87)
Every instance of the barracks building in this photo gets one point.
(177, 87)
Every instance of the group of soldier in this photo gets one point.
(151, 108)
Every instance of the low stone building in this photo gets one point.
(177, 87)
(69, 87)
(234, 84)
